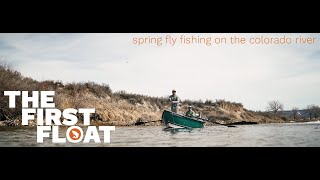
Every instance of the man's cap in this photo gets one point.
(173, 90)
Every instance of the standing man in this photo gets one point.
(174, 99)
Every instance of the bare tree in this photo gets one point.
(295, 112)
(275, 107)
(310, 110)
(316, 111)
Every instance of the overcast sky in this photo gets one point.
(250, 74)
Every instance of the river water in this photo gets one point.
(262, 135)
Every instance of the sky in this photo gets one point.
(250, 74)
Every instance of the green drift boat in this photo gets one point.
(175, 120)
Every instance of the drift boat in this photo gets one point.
(175, 120)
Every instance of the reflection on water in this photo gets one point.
(176, 130)
(294, 134)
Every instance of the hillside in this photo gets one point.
(117, 108)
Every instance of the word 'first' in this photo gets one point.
(50, 113)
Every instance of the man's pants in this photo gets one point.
(174, 109)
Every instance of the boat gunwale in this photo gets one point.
(191, 118)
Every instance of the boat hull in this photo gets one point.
(172, 119)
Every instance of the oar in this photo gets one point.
(205, 119)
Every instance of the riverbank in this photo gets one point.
(119, 108)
